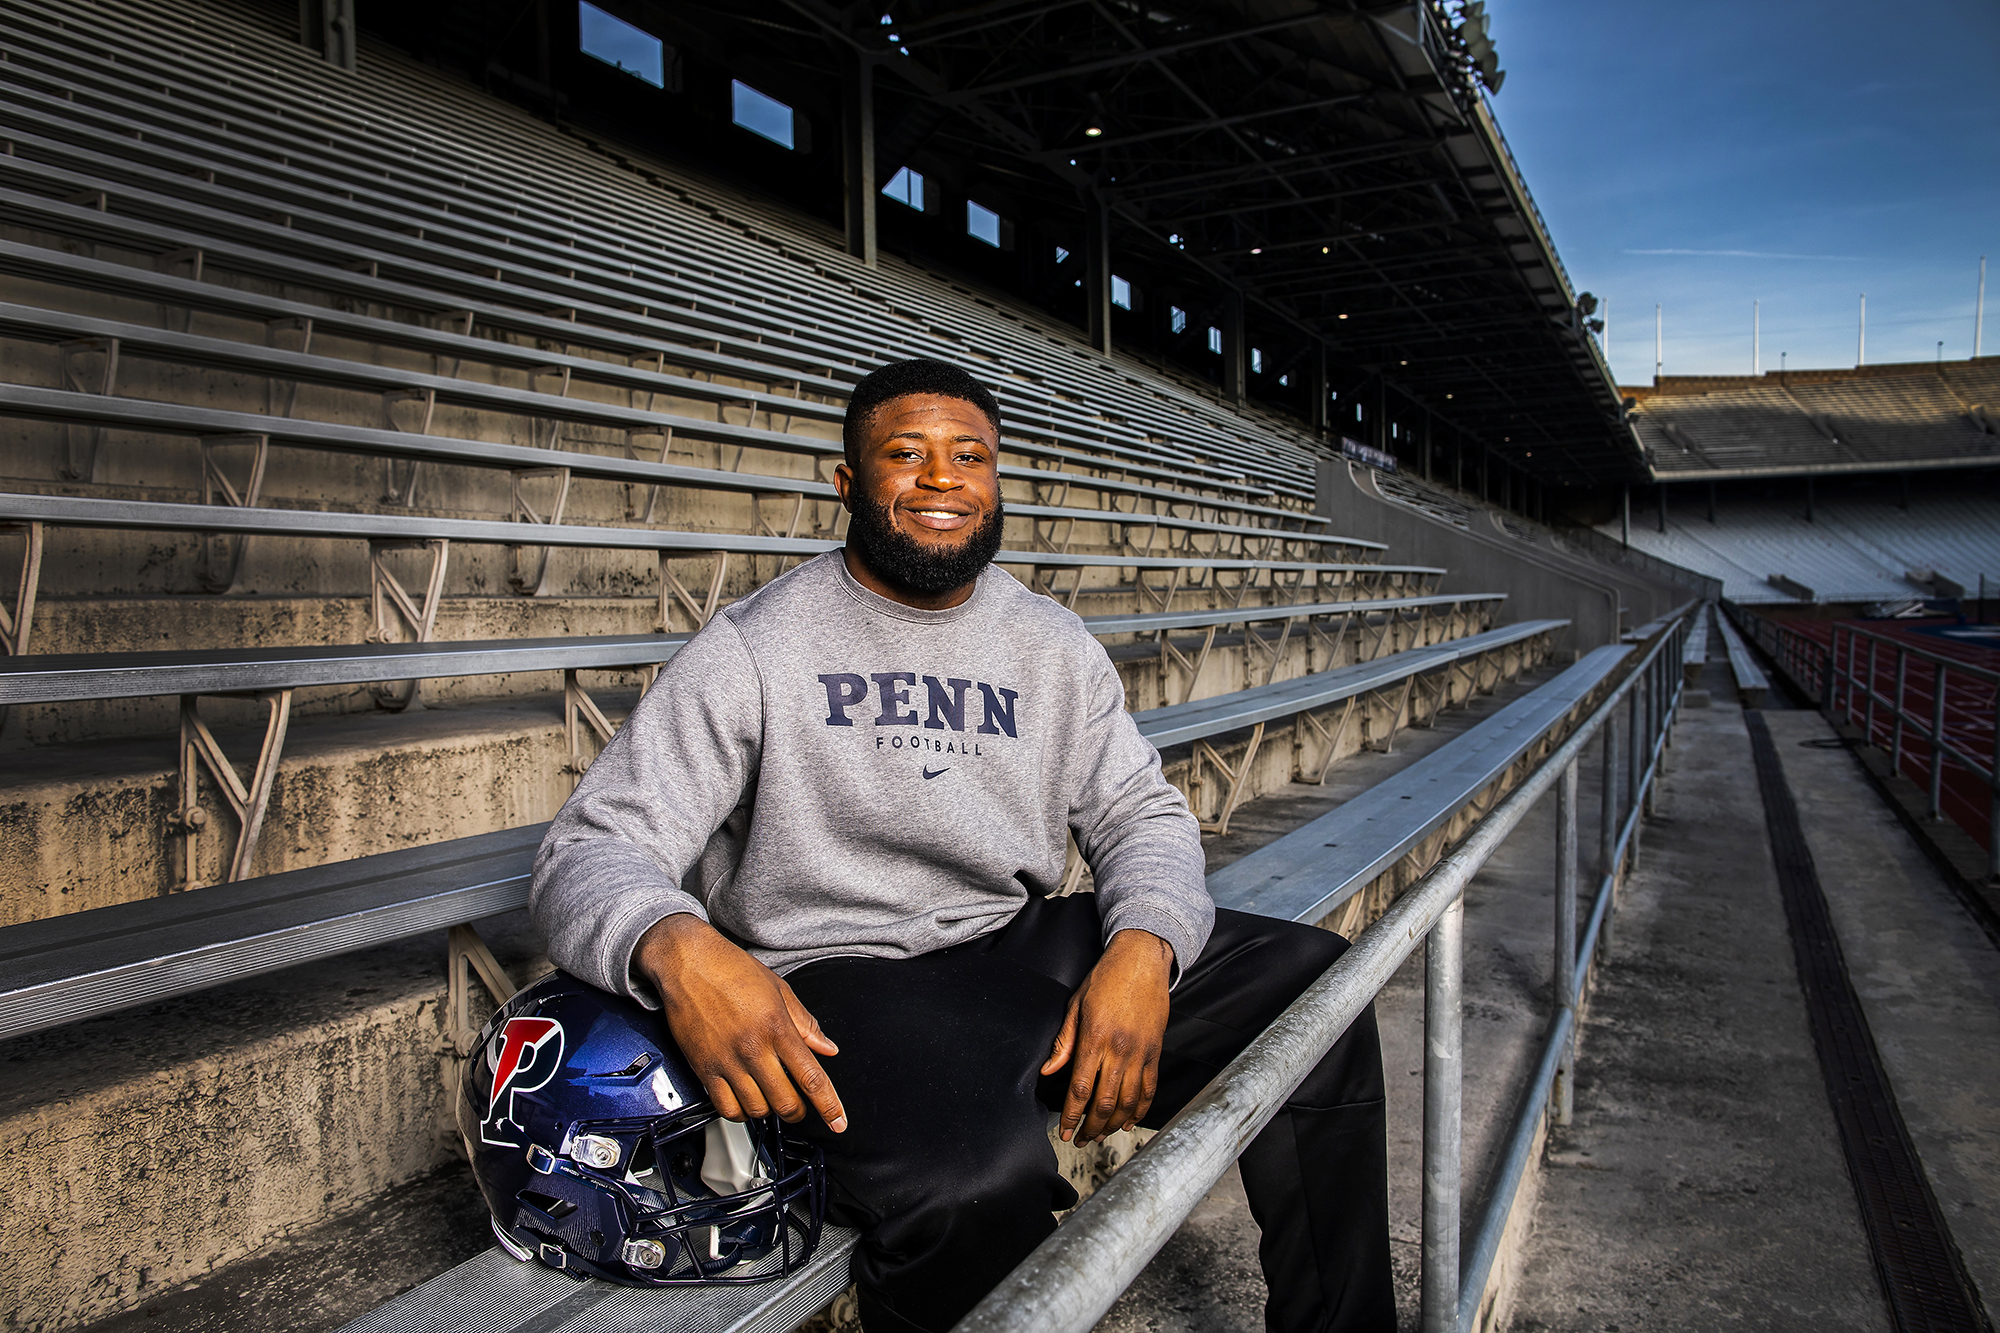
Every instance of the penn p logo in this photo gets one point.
(525, 1056)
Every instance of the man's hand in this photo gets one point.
(1114, 1027)
(745, 1034)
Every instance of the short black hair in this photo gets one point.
(906, 377)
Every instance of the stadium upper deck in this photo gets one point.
(1887, 418)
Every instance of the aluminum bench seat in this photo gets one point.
(1178, 724)
(48, 678)
(495, 1293)
(46, 264)
(1695, 656)
(71, 967)
(1314, 869)
(182, 348)
(282, 184)
(300, 256)
(516, 222)
(1751, 682)
(61, 68)
(79, 511)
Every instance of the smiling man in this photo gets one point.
(826, 844)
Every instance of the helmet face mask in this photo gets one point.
(628, 1174)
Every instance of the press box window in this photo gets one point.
(611, 39)
(1121, 292)
(982, 224)
(1215, 340)
(906, 187)
(762, 115)
(1176, 319)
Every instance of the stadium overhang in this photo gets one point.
(1323, 181)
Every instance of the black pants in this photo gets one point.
(946, 1167)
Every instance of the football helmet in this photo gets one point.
(599, 1153)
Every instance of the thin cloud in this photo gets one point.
(1737, 254)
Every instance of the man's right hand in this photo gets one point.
(745, 1034)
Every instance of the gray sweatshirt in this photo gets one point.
(823, 772)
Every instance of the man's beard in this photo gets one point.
(909, 565)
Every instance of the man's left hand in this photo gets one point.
(1114, 1028)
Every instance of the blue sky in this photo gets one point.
(1702, 155)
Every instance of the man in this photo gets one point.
(825, 844)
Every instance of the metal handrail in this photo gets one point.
(1075, 1275)
(1846, 690)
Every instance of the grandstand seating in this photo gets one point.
(1856, 548)
(217, 245)
(1874, 418)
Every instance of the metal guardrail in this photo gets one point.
(1068, 1283)
(1847, 687)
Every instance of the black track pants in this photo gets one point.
(946, 1166)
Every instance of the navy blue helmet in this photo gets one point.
(600, 1154)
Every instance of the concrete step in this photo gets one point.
(155, 1147)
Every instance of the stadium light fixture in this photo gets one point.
(1093, 132)
(1343, 316)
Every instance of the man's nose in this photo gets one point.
(939, 473)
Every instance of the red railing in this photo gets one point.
(1932, 709)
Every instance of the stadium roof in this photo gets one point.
(1334, 163)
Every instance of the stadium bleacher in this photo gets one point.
(1857, 546)
(277, 336)
(1883, 418)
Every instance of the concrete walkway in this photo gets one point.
(1702, 1185)
(1928, 978)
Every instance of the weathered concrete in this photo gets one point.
(154, 1147)
(1928, 978)
(1701, 1184)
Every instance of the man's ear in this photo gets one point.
(843, 485)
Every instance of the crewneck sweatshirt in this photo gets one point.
(823, 772)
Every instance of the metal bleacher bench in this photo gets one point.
(427, 390)
(1695, 656)
(85, 963)
(72, 967)
(1751, 682)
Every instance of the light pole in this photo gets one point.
(1659, 346)
(1861, 347)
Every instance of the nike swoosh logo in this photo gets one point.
(928, 775)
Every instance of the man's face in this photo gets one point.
(924, 493)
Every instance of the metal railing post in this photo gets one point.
(1937, 740)
(1653, 730)
(1444, 1086)
(1902, 680)
(1608, 819)
(1635, 768)
(1565, 970)
(1868, 715)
